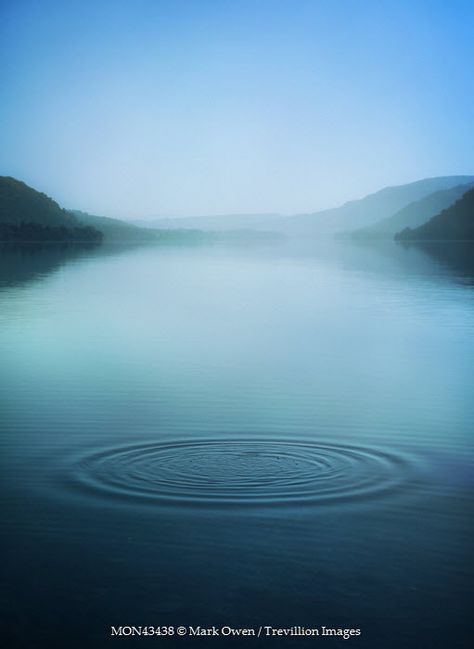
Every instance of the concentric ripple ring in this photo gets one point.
(243, 472)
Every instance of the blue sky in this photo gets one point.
(144, 107)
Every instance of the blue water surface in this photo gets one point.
(244, 435)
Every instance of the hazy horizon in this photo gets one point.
(162, 109)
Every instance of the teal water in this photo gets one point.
(263, 435)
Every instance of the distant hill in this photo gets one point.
(29, 215)
(371, 209)
(414, 214)
(219, 223)
(25, 214)
(456, 223)
(355, 214)
(114, 229)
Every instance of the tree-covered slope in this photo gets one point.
(414, 214)
(20, 203)
(28, 231)
(29, 215)
(456, 223)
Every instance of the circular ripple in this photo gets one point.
(241, 472)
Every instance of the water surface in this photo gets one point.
(276, 435)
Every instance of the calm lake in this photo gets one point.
(240, 435)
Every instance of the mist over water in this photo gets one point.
(275, 434)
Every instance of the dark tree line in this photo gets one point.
(37, 232)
